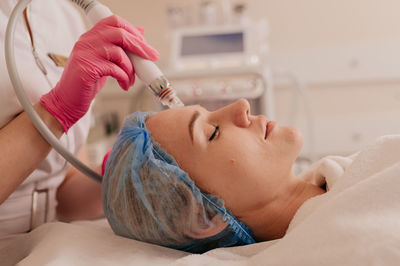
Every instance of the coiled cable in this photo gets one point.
(24, 100)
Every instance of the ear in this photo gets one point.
(217, 226)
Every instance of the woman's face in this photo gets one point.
(244, 159)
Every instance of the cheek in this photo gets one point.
(237, 184)
(226, 176)
(214, 175)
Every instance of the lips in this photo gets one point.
(268, 128)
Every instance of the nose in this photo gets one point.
(237, 112)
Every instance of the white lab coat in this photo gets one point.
(56, 25)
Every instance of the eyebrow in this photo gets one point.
(193, 120)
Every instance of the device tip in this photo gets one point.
(174, 102)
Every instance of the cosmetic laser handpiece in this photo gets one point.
(146, 70)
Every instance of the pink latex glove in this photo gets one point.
(99, 53)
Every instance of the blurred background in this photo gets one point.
(331, 68)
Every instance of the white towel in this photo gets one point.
(340, 173)
(328, 171)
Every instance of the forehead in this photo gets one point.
(170, 127)
(171, 117)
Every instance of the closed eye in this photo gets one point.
(214, 134)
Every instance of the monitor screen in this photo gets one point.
(212, 44)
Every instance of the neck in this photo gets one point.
(272, 220)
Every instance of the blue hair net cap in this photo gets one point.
(148, 197)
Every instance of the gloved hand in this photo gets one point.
(99, 53)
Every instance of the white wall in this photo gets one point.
(347, 50)
(295, 25)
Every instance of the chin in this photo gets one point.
(294, 135)
(294, 138)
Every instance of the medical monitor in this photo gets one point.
(212, 44)
(219, 46)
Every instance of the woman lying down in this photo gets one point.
(195, 180)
